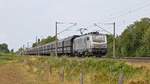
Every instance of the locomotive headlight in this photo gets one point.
(103, 46)
(96, 45)
(99, 46)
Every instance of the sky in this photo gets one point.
(21, 21)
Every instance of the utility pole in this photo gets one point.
(23, 50)
(114, 36)
(27, 45)
(114, 40)
(56, 38)
(37, 46)
(56, 33)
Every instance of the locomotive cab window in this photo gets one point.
(88, 38)
(100, 38)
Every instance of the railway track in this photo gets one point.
(137, 59)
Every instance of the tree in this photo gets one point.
(4, 48)
(44, 41)
(12, 50)
(134, 41)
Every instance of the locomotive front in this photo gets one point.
(99, 44)
(91, 44)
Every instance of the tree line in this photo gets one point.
(44, 41)
(134, 41)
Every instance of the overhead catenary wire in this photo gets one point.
(114, 18)
(102, 28)
(66, 29)
(129, 11)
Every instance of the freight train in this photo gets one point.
(90, 44)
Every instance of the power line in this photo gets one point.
(130, 7)
(135, 10)
(102, 28)
(56, 34)
(74, 24)
(130, 11)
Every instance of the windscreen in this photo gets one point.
(98, 38)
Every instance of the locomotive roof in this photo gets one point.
(71, 37)
(93, 33)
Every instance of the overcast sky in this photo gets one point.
(22, 20)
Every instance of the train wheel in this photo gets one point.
(98, 55)
(86, 54)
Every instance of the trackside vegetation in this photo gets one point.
(95, 71)
(134, 41)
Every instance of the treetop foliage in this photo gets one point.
(4, 48)
(44, 41)
(134, 41)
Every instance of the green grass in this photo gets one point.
(99, 69)
(6, 57)
(95, 70)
